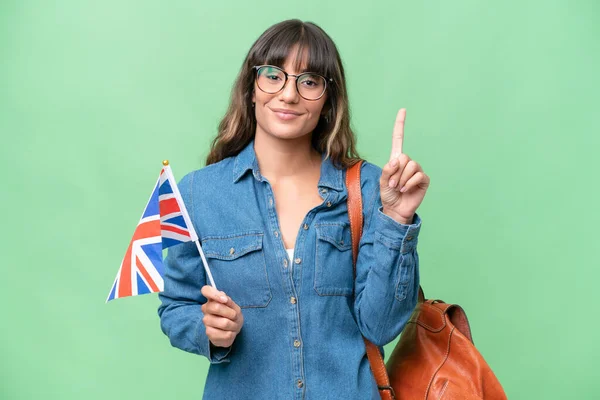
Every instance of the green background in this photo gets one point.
(502, 106)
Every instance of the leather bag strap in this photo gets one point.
(356, 226)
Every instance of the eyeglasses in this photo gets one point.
(271, 79)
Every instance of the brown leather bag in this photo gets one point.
(435, 357)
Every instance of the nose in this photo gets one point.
(289, 93)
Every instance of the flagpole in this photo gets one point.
(188, 222)
(210, 278)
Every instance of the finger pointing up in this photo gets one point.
(398, 134)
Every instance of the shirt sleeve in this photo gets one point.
(181, 300)
(387, 271)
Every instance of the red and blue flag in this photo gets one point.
(164, 223)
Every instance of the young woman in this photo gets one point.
(270, 209)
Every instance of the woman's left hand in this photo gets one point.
(403, 183)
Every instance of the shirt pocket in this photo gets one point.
(237, 263)
(334, 273)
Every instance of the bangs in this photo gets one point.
(314, 53)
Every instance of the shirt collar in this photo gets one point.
(331, 176)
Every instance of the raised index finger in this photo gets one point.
(398, 134)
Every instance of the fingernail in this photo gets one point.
(403, 189)
(394, 162)
(223, 299)
(392, 183)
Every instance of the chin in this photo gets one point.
(283, 130)
(290, 135)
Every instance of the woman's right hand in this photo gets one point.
(223, 318)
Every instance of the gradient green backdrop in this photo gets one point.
(502, 112)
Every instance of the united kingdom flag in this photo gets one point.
(164, 223)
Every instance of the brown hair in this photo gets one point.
(332, 135)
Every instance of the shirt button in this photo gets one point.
(305, 227)
(328, 204)
(293, 300)
(298, 260)
(323, 190)
(231, 250)
(276, 234)
(285, 262)
(409, 238)
(270, 201)
(300, 383)
(296, 343)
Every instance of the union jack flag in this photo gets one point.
(164, 223)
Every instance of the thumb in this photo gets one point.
(213, 294)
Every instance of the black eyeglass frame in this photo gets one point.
(258, 67)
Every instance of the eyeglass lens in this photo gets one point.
(272, 80)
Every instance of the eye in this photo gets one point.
(312, 81)
(271, 74)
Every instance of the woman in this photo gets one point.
(270, 209)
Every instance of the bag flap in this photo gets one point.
(434, 315)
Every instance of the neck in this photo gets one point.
(279, 159)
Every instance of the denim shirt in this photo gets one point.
(302, 336)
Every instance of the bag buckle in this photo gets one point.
(391, 389)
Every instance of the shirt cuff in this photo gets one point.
(214, 354)
(403, 237)
(217, 355)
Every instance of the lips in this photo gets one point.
(285, 111)
(285, 114)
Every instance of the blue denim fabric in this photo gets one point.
(302, 332)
